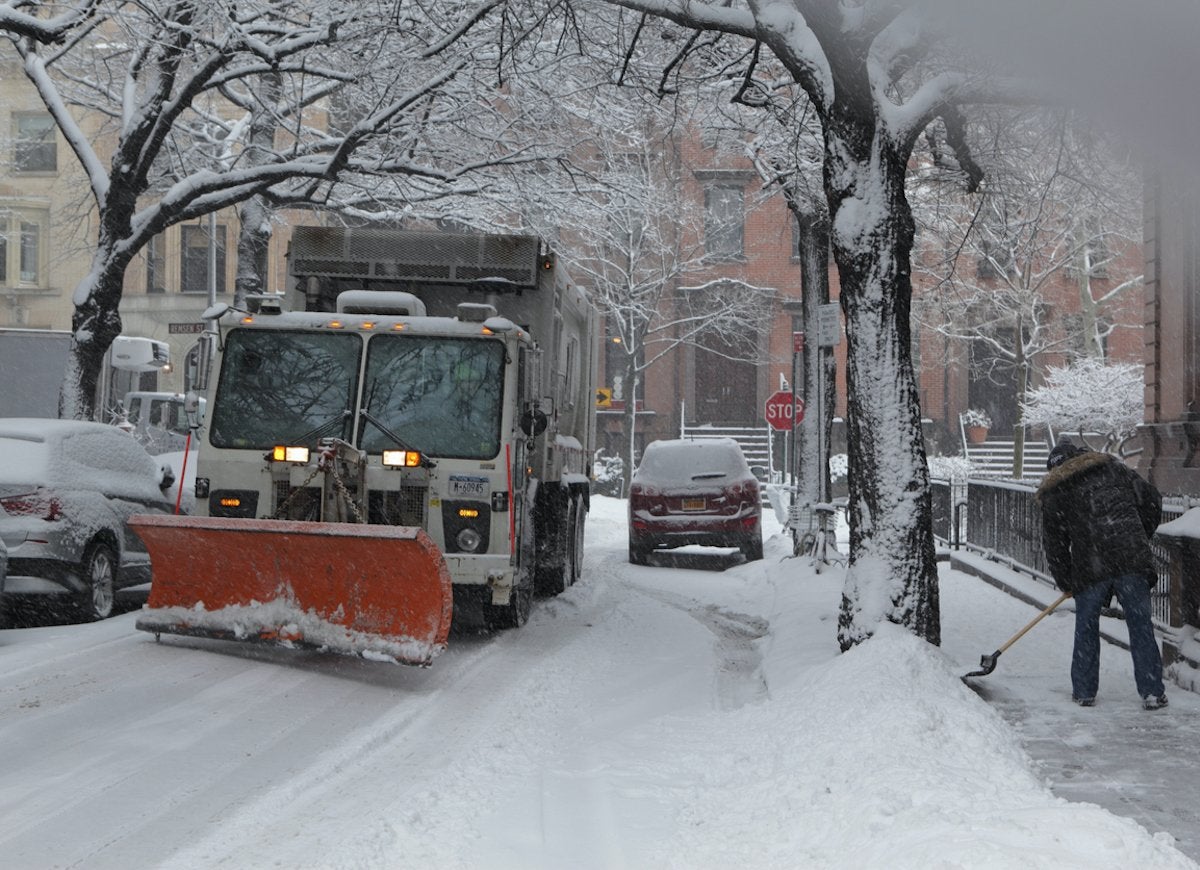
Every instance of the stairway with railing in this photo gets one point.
(994, 457)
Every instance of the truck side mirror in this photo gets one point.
(201, 363)
(191, 409)
(534, 422)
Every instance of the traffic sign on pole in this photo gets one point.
(783, 410)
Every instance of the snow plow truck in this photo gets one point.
(404, 435)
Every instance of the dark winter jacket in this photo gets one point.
(1097, 519)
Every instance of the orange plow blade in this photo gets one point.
(380, 592)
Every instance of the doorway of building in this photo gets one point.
(992, 383)
(726, 382)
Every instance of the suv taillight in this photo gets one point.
(32, 504)
(642, 496)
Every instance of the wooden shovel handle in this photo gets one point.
(1016, 637)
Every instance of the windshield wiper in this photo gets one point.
(399, 442)
(314, 432)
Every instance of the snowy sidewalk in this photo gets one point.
(1137, 764)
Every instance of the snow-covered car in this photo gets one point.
(67, 488)
(694, 492)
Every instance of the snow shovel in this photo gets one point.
(987, 663)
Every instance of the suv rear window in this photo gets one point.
(688, 460)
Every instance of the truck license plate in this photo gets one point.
(468, 485)
(693, 504)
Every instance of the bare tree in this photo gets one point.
(1055, 202)
(1102, 404)
(168, 76)
(875, 87)
(15, 21)
(636, 240)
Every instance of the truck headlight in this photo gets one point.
(468, 540)
(401, 458)
(283, 453)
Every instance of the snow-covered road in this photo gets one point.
(120, 751)
(692, 713)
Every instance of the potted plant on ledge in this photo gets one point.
(976, 422)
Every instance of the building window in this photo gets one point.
(156, 265)
(724, 221)
(23, 247)
(193, 273)
(35, 144)
(31, 246)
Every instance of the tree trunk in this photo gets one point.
(94, 324)
(813, 476)
(892, 574)
(254, 241)
(629, 421)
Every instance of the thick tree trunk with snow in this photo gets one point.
(892, 573)
(95, 322)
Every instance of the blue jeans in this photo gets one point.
(1133, 592)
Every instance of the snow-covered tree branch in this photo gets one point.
(153, 99)
(1102, 404)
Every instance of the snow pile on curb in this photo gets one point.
(883, 758)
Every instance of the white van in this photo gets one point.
(158, 420)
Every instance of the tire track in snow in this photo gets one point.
(739, 677)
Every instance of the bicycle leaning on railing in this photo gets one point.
(814, 533)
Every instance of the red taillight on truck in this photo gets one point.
(32, 504)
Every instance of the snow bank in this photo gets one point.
(883, 758)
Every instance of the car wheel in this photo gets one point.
(100, 577)
(752, 549)
(639, 554)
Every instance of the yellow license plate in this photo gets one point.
(693, 504)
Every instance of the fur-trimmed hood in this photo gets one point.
(1070, 468)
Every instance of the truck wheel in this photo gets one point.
(516, 612)
(577, 541)
(554, 579)
(100, 577)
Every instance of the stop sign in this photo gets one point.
(781, 413)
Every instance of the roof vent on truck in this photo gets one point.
(391, 302)
(475, 312)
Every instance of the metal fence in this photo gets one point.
(1001, 521)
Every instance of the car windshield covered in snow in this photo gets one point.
(285, 387)
(441, 396)
(681, 462)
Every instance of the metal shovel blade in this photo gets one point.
(987, 664)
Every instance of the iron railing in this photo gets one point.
(1002, 522)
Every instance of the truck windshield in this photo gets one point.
(285, 388)
(441, 395)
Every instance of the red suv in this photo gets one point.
(694, 492)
